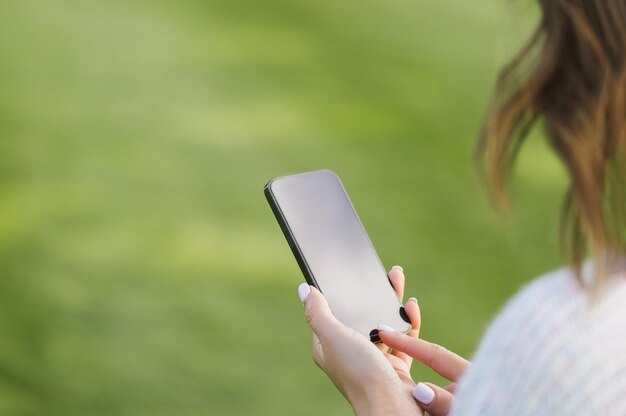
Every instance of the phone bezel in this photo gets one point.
(291, 241)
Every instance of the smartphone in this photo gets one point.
(334, 251)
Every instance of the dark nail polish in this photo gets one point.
(404, 315)
(374, 337)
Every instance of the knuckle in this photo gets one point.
(436, 352)
(316, 360)
(309, 313)
(317, 356)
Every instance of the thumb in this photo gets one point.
(432, 398)
(317, 312)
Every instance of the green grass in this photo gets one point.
(141, 272)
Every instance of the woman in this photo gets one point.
(559, 347)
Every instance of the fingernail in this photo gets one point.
(382, 327)
(304, 291)
(413, 300)
(397, 268)
(423, 394)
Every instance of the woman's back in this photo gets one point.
(551, 351)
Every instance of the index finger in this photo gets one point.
(444, 362)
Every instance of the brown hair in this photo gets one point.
(571, 75)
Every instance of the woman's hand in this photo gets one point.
(373, 380)
(400, 361)
(434, 399)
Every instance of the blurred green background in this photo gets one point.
(141, 271)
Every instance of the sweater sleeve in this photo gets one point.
(551, 352)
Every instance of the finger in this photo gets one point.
(451, 388)
(396, 277)
(413, 311)
(444, 362)
(381, 346)
(317, 312)
(398, 365)
(435, 400)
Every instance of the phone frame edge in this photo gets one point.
(291, 241)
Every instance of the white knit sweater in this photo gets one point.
(551, 352)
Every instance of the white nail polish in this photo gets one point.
(423, 394)
(398, 267)
(304, 291)
(382, 327)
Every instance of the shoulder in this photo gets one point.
(539, 301)
(556, 305)
(546, 352)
